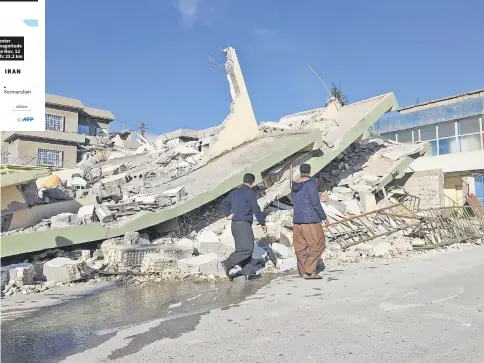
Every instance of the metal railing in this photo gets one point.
(437, 226)
(365, 227)
(448, 225)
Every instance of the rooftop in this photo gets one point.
(471, 93)
(78, 105)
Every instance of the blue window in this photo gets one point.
(433, 147)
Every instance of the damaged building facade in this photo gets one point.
(454, 128)
(67, 123)
(155, 209)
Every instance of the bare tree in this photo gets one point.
(337, 93)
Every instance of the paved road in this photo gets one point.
(428, 309)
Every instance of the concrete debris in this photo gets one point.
(204, 264)
(177, 193)
(62, 269)
(86, 212)
(18, 274)
(103, 214)
(165, 192)
(131, 238)
(157, 263)
(184, 247)
(206, 237)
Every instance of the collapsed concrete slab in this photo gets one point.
(342, 127)
(238, 148)
(240, 126)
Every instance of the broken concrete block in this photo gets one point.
(103, 214)
(131, 238)
(281, 250)
(144, 239)
(368, 201)
(218, 248)
(114, 180)
(107, 244)
(352, 206)
(98, 254)
(148, 199)
(285, 237)
(177, 193)
(94, 264)
(197, 264)
(157, 263)
(417, 242)
(219, 226)
(63, 220)
(62, 269)
(184, 247)
(226, 238)
(20, 274)
(132, 256)
(207, 236)
(86, 212)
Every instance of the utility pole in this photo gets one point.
(142, 128)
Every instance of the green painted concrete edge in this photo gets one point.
(29, 242)
(22, 177)
(16, 244)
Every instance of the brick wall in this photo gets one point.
(428, 185)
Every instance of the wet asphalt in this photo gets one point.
(53, 333)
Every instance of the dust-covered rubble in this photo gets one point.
(137, 259)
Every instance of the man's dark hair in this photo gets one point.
(305, 169)
(249, 178)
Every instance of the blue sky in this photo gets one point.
(146, 60)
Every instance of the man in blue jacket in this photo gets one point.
(239, 207)
(308, 234)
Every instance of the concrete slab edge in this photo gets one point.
(36, 241)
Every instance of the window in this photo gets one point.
(428, 133)
(470, 142)
(405, 136)
(54, 122)
(83, 129)
(469, 125)
(433, 147)
(390, 135)
(4, 158)
(100, 132)
(448, 146)
(47, 157)
(446, 129)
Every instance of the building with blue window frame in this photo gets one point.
(454, 127)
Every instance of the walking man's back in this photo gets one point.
(240, 206)
(308, 234)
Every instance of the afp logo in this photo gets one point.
(25, 119)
